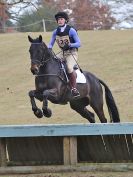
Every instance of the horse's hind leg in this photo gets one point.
(98, 108)
(80, 107)
(35, 109)
(88, 115)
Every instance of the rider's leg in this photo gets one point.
(72, 80)
(71, 58)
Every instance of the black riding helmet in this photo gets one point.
(62, 15)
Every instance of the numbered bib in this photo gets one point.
(62, 40)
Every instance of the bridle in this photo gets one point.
(43, 62)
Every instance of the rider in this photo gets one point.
(69, 42)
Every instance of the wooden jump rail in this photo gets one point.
(23, 148)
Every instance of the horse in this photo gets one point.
(51, 84)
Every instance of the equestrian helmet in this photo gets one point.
(62, 15)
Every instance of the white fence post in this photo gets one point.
(44, 26)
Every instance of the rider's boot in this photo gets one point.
(72, 80)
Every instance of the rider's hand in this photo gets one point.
(66, 47)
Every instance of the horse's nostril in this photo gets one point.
(34, 71)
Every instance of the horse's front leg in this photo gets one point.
(38, 113)
(50, 94)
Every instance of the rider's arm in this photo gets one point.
(73, 33)
(52, 41)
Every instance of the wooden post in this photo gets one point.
(70, 150)
(44, 25)
(73, 150)
(66, 150)
(2, 152)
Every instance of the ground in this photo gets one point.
(78, 174)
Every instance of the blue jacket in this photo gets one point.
(71, 32)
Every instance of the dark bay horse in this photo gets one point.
(51, 84)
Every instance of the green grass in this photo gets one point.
(107, 54)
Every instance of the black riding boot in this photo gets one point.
(72, 80)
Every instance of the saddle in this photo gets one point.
(80, 78)
(64, 69)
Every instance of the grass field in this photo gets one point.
(107, 54)
(77, 174)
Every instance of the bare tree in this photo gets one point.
(18, 5)
(14, 2)
(11, 9)
(3, 17)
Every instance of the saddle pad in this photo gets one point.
(80, 77)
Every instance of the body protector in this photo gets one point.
(63, 38)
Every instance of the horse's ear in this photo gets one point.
(40, 38)
(30, 39)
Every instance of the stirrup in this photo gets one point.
(75, 92)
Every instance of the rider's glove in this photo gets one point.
(66, 47)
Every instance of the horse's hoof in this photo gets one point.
(92, 118)
(38, 113)
(47, 112)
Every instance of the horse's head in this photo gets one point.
(38, 53)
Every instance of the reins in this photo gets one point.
(43, 61)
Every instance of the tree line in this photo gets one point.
(84, 14)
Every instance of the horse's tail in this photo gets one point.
(112, 108)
